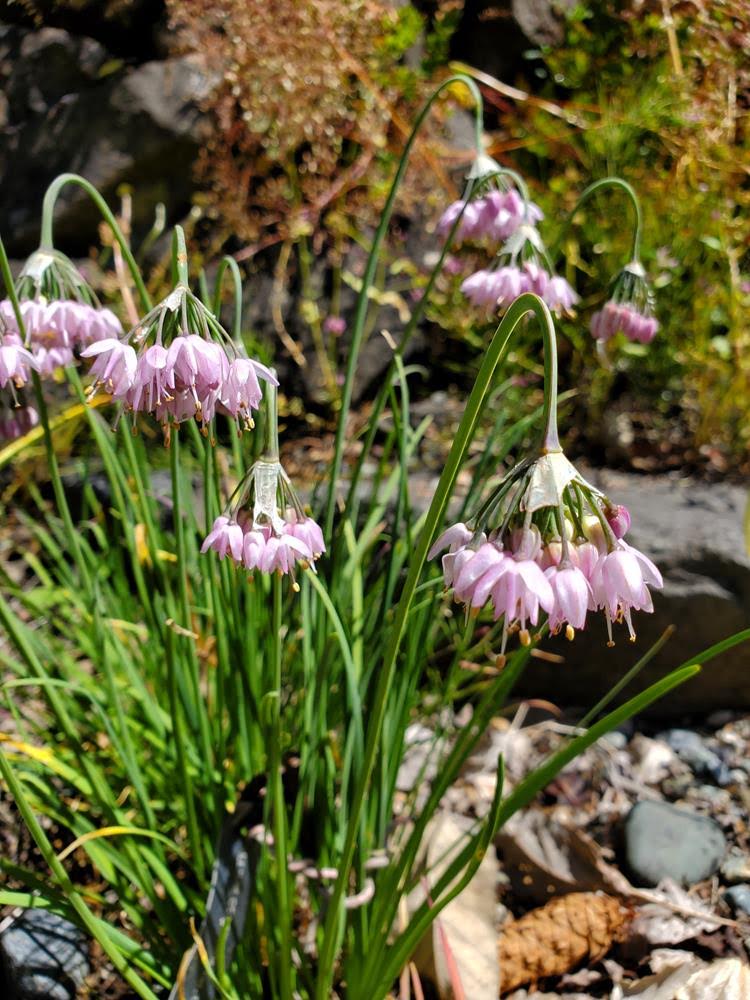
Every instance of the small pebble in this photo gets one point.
(738, 897)
(662, 841)
(616, 739)
(704, 762)
(42, 957)
(718, 798)
(736, 866)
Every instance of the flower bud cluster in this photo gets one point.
(183, 366)
(265, 527)
(548, 541)
(629, 310)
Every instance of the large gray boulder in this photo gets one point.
(70, 107)
(693, 531)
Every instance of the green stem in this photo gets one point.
(627, 678)
(179, 256)
(635, 252)
(367, 279)
(495, 355)
(48, 215)
(179, 530)
(417, 312)
(230, 264)
(278, 805)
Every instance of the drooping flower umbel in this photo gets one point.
(264, 527)
(178, 363)
(547, 541)
(498, 214)
(60, 317)
(629, 308)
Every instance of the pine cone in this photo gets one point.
(556, 937)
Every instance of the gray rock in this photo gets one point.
(137, 125)
(693, 532)
(703, 762)
(43, 957)
(738, 898)
(662, 841)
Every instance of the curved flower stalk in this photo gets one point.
(59, 317)
(629, 308)
(496, 210)
(264, 526)
(547, 541)
(178, 363)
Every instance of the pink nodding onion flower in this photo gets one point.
(520, 266)
(179, 364)
(264, 527)
(495, 205)
(60, 315)
(629, 309)
(547, 541)
(555, 545)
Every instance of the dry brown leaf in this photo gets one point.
(694, 979)
(544, 857)
(465, 934)
(555, 938)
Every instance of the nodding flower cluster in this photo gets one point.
(59, 317)
(185, 366)
(501, 215)
(547, 540)
(264, 527)
(494, 216)
(629, 309)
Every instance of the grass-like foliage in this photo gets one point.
(164, 709)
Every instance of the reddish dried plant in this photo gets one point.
(308, 97)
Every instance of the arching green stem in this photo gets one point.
(416, 315)
(179, 256)
(48, 216)
(494, 357)
(372, 261)
(618, 182)
(230, 264)
(517, 180)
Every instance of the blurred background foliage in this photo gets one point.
(308, 109)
